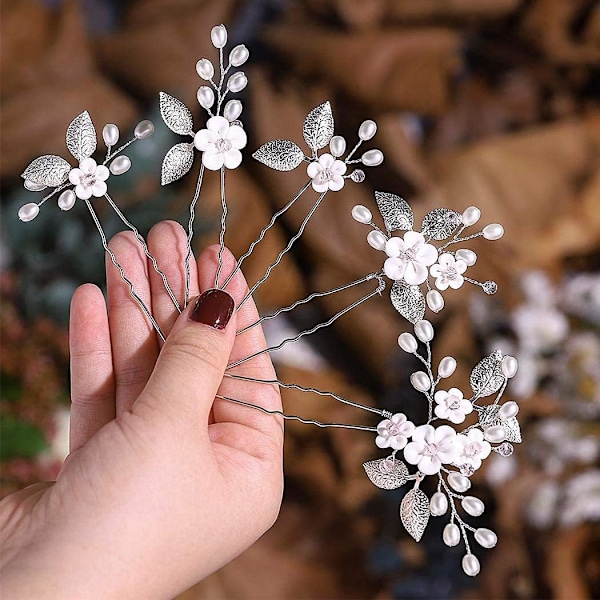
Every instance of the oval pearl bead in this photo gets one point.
(508, 410)
(438, 505)
(458, 482)
(509, 366)
(239, 55)
(29, 211)
(205, 96)
(367, 130)
(32, 186)
(435, 301)
(420, 381)
(218, 36)
(376, 240)
(471, 215)
(447, 366)
(337, 145)
(237, 82)
(205, 69)
(486, 537)
(361, 214)
(372, 158)
(120, 165)
(424, 330)
(66, 200)
(110, 134)
(232, 110)
(470, 565)
(473, 506)
(493, 231)
(407, 342)
(495, 434)
(451, 535)
(467, 255)
(144, 129)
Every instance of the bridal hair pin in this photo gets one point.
(415, 260)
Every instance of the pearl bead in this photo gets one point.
(205, 69)
(508, 410)
(470, 565)
(493, 232)
(32, 186)
(438, 505)
(451, 535)
(232, 110)
(239, 55)
(367, 130)
(467, 255)
(424, 330)
(66, 200)
(407, 342)
(120, 165)
(486, 537)
(218, 36)
(509, 366)
(495, 434)
(237, 82)
(206, 97)
(473, 506)
(447, 366)
(420, 381)
(376, 240)
(337, 145)
(471, 215)
(458, 482)
(143, 129)
(435, 301)
(372, 158)
(110, 134)
(361, 214)
(29, 211)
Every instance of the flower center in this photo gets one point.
(325, 175)
(410, 254)
(430, 450)
(450, 272)
(223, 145)
(454, 403)
(88, 180)
(472, 450)
(394, 429)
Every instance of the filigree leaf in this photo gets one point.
(176, 114)
(488, 417)
(281, 155)
(177, 162)
(81, 136)
(386, 473)
(396, 212)
(408, 300)
(440, 223)
(487, 377)
(414, 512)
(318, 126)
(49, 170)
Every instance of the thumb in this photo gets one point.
(192, 362)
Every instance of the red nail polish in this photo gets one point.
(213, 307)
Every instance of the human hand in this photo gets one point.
(164, 484)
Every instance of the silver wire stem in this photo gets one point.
(223, 227)
(190, 234)
(460, 240)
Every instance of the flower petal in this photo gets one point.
(398, 442)
(88, 165)
(336, 183)
(204, 140)
(456, 282)
(218, 125)
(435, 271)
(339, 167)
(441, 411)
(423, 433)
(413, 452)
(320, 187)
(394, 247)
(85, 193)
(415, 273)
(313, 169)
(456, 416)
(446, 259)
(232, 158)
(441, 283)
(75, 176)
(102, 173)
(213, 160)
(394, 268)
(413, 238)
(427, 254)
(326, 160)
(430, 465)
(99, 189)
(382, 442)
(460, 266)
(237, 136)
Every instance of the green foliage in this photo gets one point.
(19, 438)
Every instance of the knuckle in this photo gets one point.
(128, 376)
(204, 353)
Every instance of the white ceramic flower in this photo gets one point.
(472, 449)
(448, 272)
(394, 432)
(220, 144)
(452, 405)
(326, 173)
(430, 447)
(409, 258)
(89, 179)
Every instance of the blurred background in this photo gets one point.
(486, 102)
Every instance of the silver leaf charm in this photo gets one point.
(81, 136)
(49, 170)
(318, 126)
(177, 162)
(396, 212)
(414, 512)
(386, 473)
(487, 377)
(488, 417)
(176, 115)
(408, 300)
(281, 155)
(440, 223)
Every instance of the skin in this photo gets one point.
(164, 483)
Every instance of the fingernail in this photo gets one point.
(214, 308)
